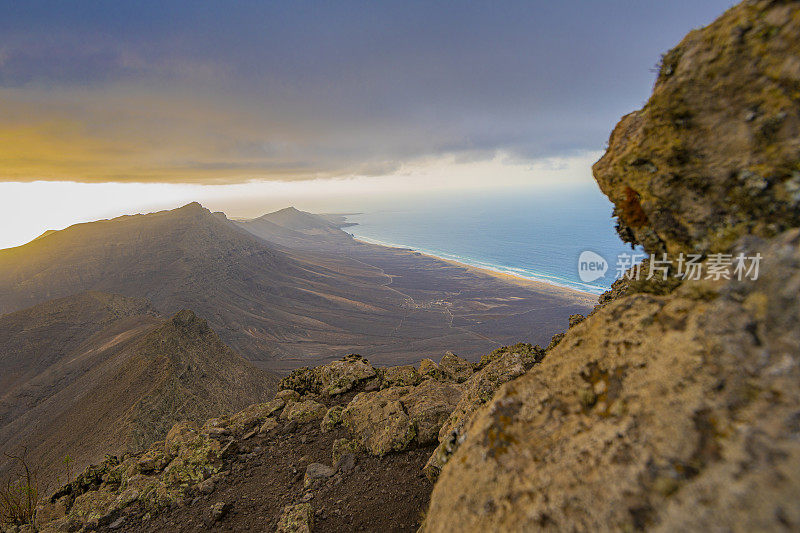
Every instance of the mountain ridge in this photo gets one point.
(123, 377)
(281, 306)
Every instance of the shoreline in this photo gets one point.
(517, 279)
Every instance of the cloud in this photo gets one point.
(214, 92)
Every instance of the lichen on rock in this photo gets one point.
(714, 154)
(673, 408)
(297, 519)
(334, 378)
(455, 368)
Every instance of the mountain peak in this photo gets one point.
(187, 320)
(192, 209)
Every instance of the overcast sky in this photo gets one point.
(226, 92)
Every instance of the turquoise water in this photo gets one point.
(538, 235)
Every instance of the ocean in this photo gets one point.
(534, 234)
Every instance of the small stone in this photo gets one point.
(346, 463)
(316, 471)
(268, 425)
(206, 487)
(219, 510)
(116, 524)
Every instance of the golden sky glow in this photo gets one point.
(30, 208)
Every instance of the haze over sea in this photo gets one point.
(534, 234)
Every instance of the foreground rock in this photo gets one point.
(673, 406)
(668, 411)
(190, 465)
(713, 154)
(395, 418)
(331, 379)
(498, 367)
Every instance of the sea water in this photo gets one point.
(534, 234)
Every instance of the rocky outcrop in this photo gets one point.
(713, 155)
(334, 378)
(297, 519)
(673, 411)
(379, 421)
(190, 460)
(304, 411)
(672, 407)
(395, 418)
(400, 376)
(455, 368)
(496, 369)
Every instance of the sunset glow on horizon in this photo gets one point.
(255, 106)
(35, 207)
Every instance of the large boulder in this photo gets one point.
(304, 411)
(341, 376)
(671, 409)
(455, 368)
(428, 406)
(503, 366)
(379, 421)
(331, 379)
(396, 418)
(714, 153)
(673, 412)
(400, 376)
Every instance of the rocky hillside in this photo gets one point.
(340, 447)
(99, 373)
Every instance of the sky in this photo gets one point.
(245, 104)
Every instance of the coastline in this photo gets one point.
(508, 277)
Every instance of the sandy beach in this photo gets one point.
(522, 281)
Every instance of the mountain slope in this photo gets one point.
(255, 296)
(118, 382)
(37, 337)
(297, 229)
(285, 307)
